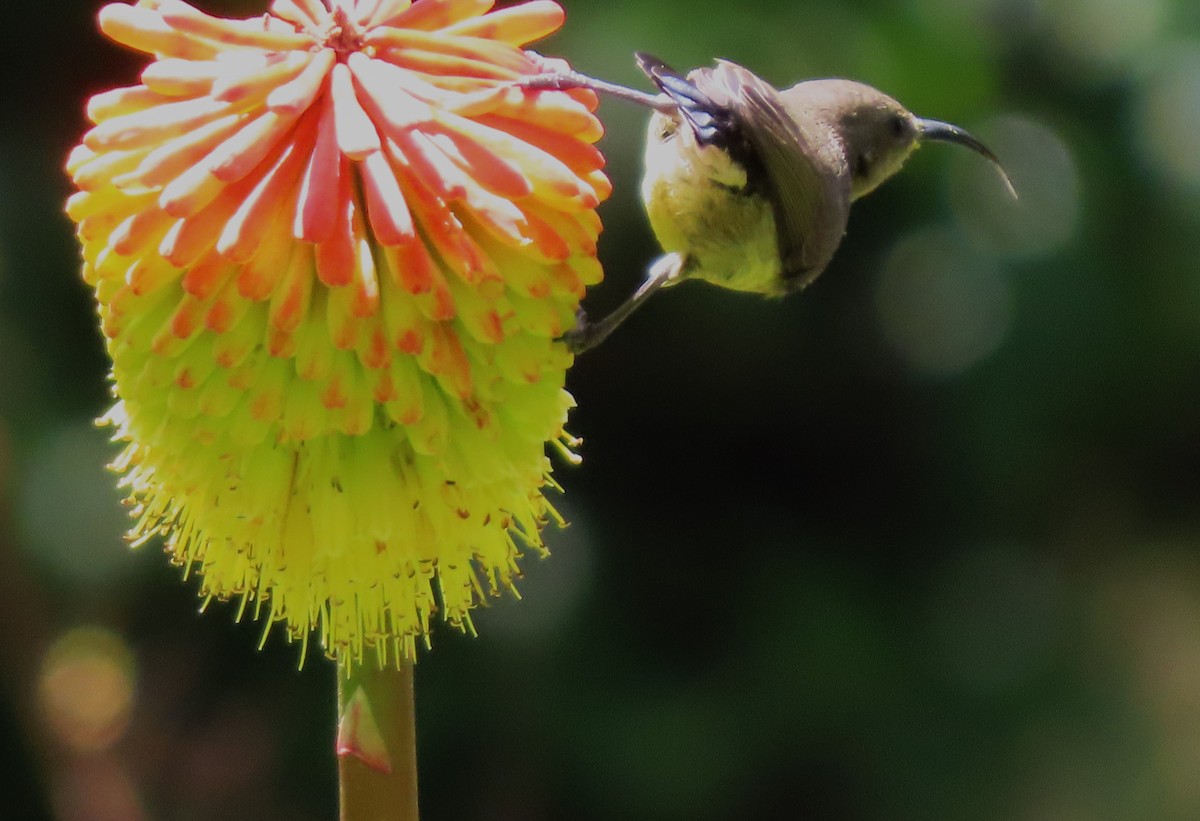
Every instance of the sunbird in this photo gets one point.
(749, 187)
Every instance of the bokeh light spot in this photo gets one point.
(1044, 175)
(1148, 609)
(86, 688)
(1105, 34)
(942, 307)
(1167, 117)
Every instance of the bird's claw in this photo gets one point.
(580, 337)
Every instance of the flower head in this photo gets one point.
(332, 248)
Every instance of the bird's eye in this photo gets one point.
(899, 126)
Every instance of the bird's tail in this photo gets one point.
(707, 118)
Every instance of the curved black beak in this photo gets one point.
(937, 131)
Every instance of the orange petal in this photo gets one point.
(588, 269)
(344, 327)
(314, 355)
(383, 389)
(516, 25)
(316, 212)
(365, 283)
(372, 13)
(238, 155)
(375, 351)
(473, 101)
(233, 348)
(144, 228)
(455, 90)
(581, 157)
(387, 209)
(84, 204)
(546, 318)
(428, 15)
(290, 300)
(199, 232)
(408, 407)
(480, 317)
(148, 274)
(394, 108)
(485, 166)
(566, 281)
(121, 101)
(260, 273)
(281, 343)
(410, 266)
(600, 183)
(552, 110)
(177, 155)
(269, 390)
(452, 65)
(142, 28)
(523, 358)
(305, 411)
(151, 126)
(207, 275)
(298, 94)
(549, 243)
(80, 156)
(457, 250)
(227, 309)
(239, 85)
(552, 179)
(500, 217)
(429, 164)
(336, 390)
(580, 237)
(445, 358)
(302, 13)
(521, 273)
(274, 192)
(385, 77)
(437, 303)
(184, 325)
(405, 40)
(356, 134)
(335, 257)
(402, 321)
(99, 226)
(190, 192)
(180, 78)
(246, 33)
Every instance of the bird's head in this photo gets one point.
(876, 132)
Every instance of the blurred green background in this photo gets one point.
(921, 543)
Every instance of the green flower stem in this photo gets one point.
(366, 792)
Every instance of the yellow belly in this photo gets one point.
(696, 207)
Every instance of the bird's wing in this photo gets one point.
(710, 120)
(733, 108)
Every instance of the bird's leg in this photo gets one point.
(587, 335)
(568, 79)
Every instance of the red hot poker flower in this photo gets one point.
(332, 248)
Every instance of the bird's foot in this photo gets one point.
(560, 78)
(582, 337)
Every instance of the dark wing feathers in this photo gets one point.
(735, 109)
(793, 181)
(710, 119)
